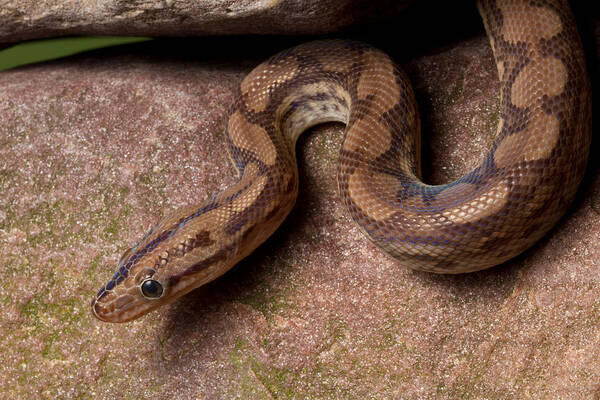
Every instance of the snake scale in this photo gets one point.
(489, 215)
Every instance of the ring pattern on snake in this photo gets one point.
(491, 214)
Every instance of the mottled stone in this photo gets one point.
(32, 19)
(93, 149)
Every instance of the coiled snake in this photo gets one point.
(489, 215)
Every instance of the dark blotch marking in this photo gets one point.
(203, 239)
(273, 212)
(237, 223)
(221, 255)
(135, 255)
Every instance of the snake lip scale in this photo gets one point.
(489, 215)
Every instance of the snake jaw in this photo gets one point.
(122, 315)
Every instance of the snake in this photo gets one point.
(521, 188)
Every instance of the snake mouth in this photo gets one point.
(126, 305)
(123, 308)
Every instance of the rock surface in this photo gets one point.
(93, 149)
(31, 19)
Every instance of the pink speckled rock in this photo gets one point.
(94, 149)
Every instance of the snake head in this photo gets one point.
(138, 287)
(177, 255)
(131, 292)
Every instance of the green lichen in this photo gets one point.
(114, 214)
(259, 381)
(278, 381)
(54, 325)
(337, 328)
(9, 177)
(41, 315)
(153, 180)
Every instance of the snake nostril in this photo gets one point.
(151, 289)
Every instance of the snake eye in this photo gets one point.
(151, 289)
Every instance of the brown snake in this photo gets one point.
(489, 215)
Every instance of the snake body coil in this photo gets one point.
(489, 215)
